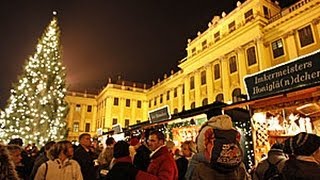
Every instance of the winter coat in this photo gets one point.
(56, 169)
(122, 169)
(85, 160)
(302, 170)
(274, 156)
(42, 158)
(193, 163)
(141, 159)
(161, 167)
(204, 172)
(182, 165)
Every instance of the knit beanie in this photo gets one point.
(302, 144)
(121, 149)
(221, 122)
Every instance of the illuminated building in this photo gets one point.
(256, 35)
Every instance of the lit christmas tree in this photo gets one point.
(36, 110)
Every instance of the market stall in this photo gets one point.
(284, 100)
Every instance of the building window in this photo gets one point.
(216, 71)
(175, 111)
(138, 104)
(116, 101)
(220, 97)
(236, 95)
(217, 36)
(204, 44)
(155, 101)
(248, 15)
(305, 36)
(204, 101)
(87, 128)
(138, 121)
(266, 12)
(193, 105)
(127, 102)
(191, 82)
(193, 51)
(150, 103)
(175, 92)
(78, 107)
(89, 108)
(203, 78)
(126, 123)
(251, 55)
(232, 26)
(168, 95)
(114, 121)
(76, 127)
(277, 48)
(161, 98)
(233, 64)
(182, 88)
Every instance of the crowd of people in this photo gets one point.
(216, 154)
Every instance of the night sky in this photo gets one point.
(139, 40)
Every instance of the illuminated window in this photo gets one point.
(233, 64)
(277, 48)
(76, 127)
(305, 36)
(78, 107)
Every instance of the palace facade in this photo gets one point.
(256, 35)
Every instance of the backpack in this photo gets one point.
(226, 154)
(272, 173)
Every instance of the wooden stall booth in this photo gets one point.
(284, 101)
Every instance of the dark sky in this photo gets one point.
(139, 40)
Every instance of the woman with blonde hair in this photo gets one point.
(60, 165)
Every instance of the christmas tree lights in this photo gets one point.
(36, 110)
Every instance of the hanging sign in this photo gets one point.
(159, 114)
(296, 74)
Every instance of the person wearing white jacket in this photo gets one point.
(60, 166)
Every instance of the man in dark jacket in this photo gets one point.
(141, 159)
(85, 157)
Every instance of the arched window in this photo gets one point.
(220, 97)
(204, 101)
(236, 95)
(193, 105)
(175, 111)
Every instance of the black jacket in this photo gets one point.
(85, 160)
